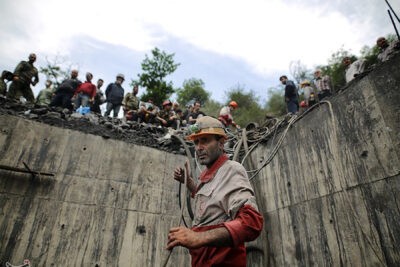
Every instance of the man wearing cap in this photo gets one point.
(226, 213)
(114, 96)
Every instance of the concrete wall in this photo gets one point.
(330, 196)
(109, 203)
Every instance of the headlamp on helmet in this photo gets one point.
(206, 125)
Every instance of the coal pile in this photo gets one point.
(109, 128)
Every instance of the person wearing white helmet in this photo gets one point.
(226, 214)
(114, 96)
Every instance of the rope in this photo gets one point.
(26, 263)
(291, 121)
(276, 148)
(237, 150)
(341, 183)
(186, 201)
(192, 170)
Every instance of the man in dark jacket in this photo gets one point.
(65, 91)
(5, 75)
(291, 97)
(114, 96)
(99, 99)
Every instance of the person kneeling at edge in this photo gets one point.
(225, 115)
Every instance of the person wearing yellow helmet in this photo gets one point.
(226, 214)
(225, 115)
(308, 92)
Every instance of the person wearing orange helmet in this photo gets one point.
(225, 115)
(225, 209)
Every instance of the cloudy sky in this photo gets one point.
(225, 43)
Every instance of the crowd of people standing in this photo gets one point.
(78, 96)
(73, 94)
(321, 87)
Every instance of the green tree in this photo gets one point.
(299, 71)
(212, 108)
(155, 69)
(248, 109)
(335, 68)
(275, 105)
(370, 54)
(56, 69)
(193, 89)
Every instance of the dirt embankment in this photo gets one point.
(114, 128)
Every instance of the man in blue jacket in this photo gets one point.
(114, 96)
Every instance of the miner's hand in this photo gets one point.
(182, 236)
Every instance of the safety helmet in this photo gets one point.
(305, 82)
(206, 125)
(303, 104)
(233, 104)
(119, 75)
(166, 102)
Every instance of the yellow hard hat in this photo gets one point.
(304, 82)
(206, 125)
